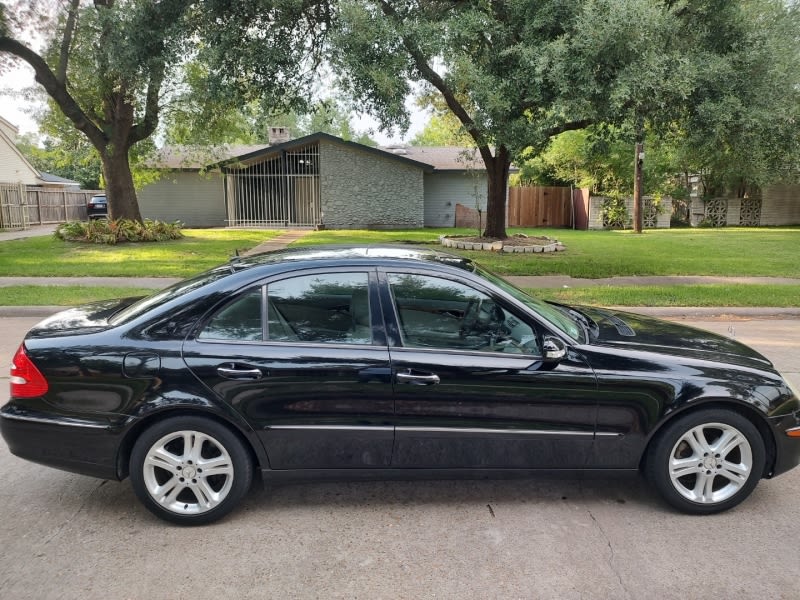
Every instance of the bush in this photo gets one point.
(121, 230)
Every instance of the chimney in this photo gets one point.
(278, 135)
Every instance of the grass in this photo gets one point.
(678, 295)
(200, 249)
(592, 254)
(726, 252)
(63, 295)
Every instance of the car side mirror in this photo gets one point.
(553, 350)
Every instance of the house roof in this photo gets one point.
(443, 158)
(194, 158)
(429, 158)
(316, 137)
(50, 178)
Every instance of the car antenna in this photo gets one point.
(236, 258)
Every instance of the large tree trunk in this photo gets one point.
(497, 171)
(122, 202)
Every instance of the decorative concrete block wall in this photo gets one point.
(362, 190)
(654, 218)
(778, 205)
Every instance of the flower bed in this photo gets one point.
(516, 243)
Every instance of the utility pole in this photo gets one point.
(637, 177)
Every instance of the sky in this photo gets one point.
(17, 109)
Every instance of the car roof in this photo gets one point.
(343, 255)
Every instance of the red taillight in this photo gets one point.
(26, 380)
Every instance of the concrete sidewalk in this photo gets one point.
(21, 234)
(561, 281)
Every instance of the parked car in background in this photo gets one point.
(97, 207)
(387, 362)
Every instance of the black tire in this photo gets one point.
(161, 466)
(696, 471)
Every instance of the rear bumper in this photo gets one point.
(87, 447)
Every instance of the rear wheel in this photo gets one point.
(190, 470)
(707, 461)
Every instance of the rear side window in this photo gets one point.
(239, 320)
(324, 308)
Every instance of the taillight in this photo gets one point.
(26, 380)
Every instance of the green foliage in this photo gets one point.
(614, 213)
(101, 231)
(443, 129)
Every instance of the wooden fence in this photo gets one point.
(22, 206)
(536, 206)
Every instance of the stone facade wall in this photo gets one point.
(661, 220)
(362, 190)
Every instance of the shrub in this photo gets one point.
(120, 230)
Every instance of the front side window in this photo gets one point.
(326, 308)
(440, 313)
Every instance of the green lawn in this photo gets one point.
(725, 252)
(678, 295)
(593, 254)
(200, 249)
(63, 295)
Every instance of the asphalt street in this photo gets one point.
(68, 536)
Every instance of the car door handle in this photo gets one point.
(234, 373)
(429, 379)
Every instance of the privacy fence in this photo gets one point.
(23, 205)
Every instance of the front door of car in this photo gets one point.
(304, 360)
(471, 387)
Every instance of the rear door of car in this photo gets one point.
(304, 359)
(471, 389)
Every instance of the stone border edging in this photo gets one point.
(499, 246)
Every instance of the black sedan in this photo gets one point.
(387, 362)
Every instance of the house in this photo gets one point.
(315, 180)
(16, 169)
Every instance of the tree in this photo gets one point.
(112, 67)
(442, 129)
(514, 73)
(517, 73)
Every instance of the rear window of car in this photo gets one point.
(166, 295)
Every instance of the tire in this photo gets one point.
(170, 470)
(707, 461)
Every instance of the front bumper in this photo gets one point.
(88, 447)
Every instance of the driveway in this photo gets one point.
(67, 536)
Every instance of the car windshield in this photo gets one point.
(174, 291)
(559, 318)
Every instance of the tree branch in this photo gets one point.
(421, 64)
(149, 122)
(56, 90)
(571, 126)
(66, 41)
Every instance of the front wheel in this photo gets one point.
(190, 470)
(707, 461)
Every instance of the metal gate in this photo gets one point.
(278, 190)
(13, 206)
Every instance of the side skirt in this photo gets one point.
(270, 476)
